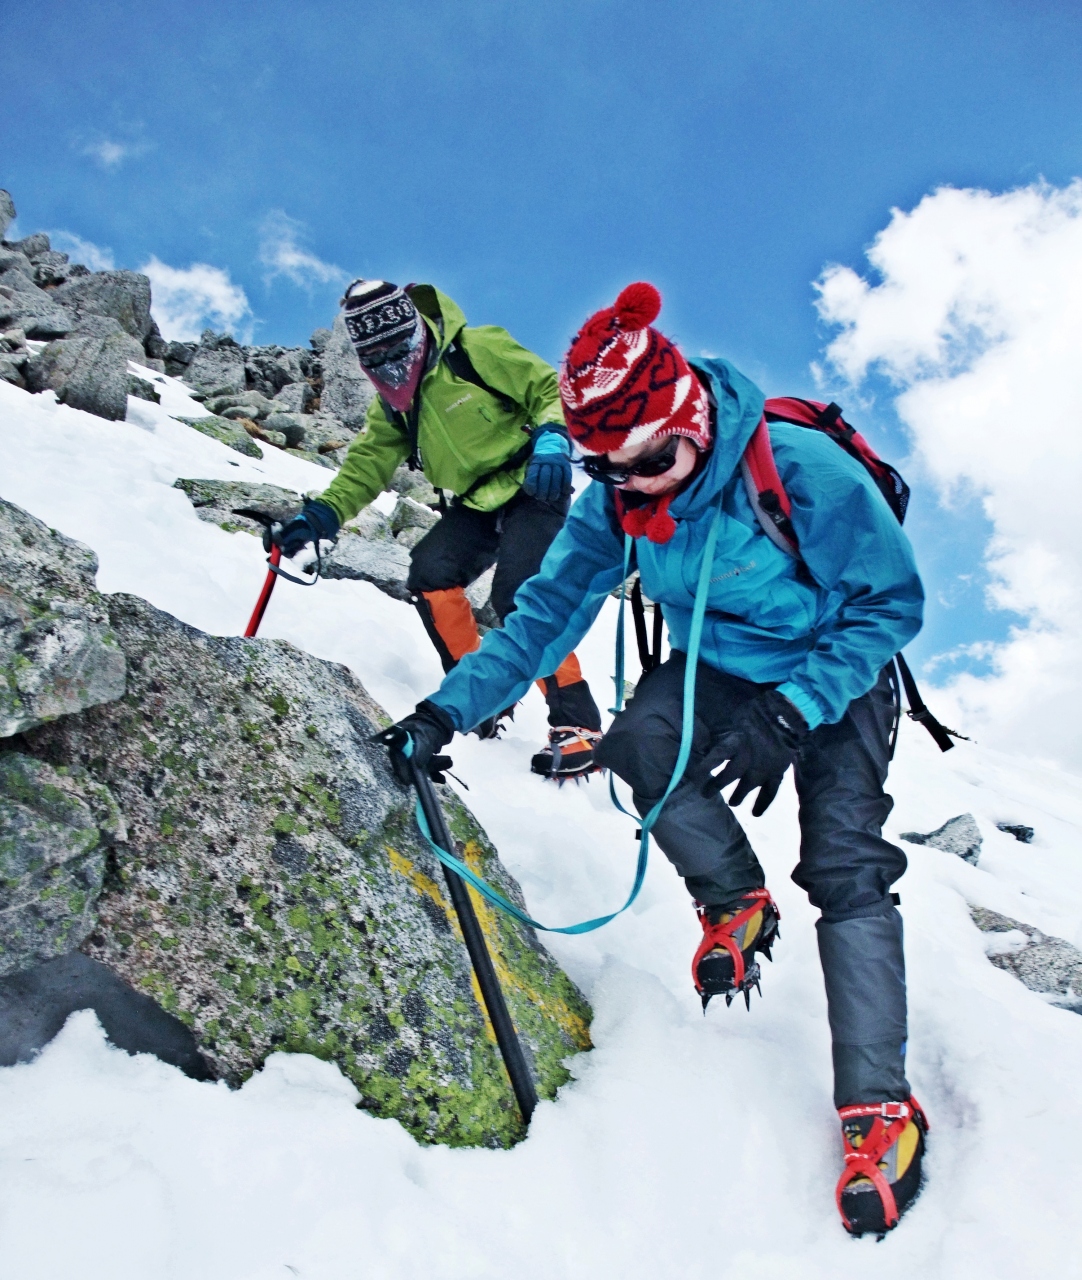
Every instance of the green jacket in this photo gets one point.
(463, 432)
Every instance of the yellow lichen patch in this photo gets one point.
(574, 1026)
(424, 884)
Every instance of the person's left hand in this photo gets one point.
(761, 742)
(548, 473)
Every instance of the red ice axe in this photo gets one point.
(273, 569)
(265, 595)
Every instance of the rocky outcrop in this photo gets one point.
(88, 370)
(123, 296)
(960, 836)
(267, 886)
(7, 212)
(58, 654)
(1050, 966)
(347, 390)
(56, 827)
(217, 364)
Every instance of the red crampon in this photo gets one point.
(720, 940)
(890, 1121)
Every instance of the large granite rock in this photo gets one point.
(1050, 966)
(274, 893)
(58, 654)
(56, 826)
(7, 212)
(960, 836)
(347, 390)
(226, 432)
(122, 295)
(88, 370)
(218, 364)
(270, 369)
(23, 305)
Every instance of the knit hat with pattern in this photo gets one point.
(388, 335)
(623, 383)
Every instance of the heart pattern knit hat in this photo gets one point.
(623, 382)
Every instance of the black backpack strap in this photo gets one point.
(919, 712)
(457, 359)
(649, 658)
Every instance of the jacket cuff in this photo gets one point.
(804, 703)
(452, 713)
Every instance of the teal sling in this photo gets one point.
(702, 590)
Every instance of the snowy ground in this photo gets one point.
(686, 1146)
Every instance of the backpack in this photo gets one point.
(773, 509)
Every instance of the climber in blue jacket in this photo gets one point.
(794, 670)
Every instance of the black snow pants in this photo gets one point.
(461, 547)
(846, 867)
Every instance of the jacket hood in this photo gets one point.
(444, 315)
(738, 406)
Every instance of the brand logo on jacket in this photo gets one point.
(460, 400)
(735, 573)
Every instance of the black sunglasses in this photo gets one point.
(377, 357)
(599, 468)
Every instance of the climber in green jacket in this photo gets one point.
(481, 417)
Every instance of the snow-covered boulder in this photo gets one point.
(960, 836)
(1050, 966)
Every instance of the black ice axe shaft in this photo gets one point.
(506, 1036)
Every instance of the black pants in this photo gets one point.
(845, 866)
(514, 538)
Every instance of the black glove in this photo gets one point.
(548, 473)
(315, 522)
(762, 741)
(430, 728)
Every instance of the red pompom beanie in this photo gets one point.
(622, 382)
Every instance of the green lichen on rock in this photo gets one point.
(227, 432)
(57, 653)
(55, 829)
(275, 893)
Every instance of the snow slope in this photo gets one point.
(686, 1146)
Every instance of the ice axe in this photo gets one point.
(273, 570)
(396, 739)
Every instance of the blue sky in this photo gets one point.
(531, 158)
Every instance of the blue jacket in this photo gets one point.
(820, 629)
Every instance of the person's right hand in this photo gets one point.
(430, 729)
(317, 521)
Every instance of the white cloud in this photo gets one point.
(187, 300)
(79, 250)
(282, 255)
(976, 318)
(111, 154)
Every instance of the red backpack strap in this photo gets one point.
(766, 493)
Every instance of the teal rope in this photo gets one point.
(698, 615)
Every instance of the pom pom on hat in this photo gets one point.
(623, 382)
(637, 306)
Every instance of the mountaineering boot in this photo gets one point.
(569, 753)
(494, 725)
(725, 961)
(884, 1145)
